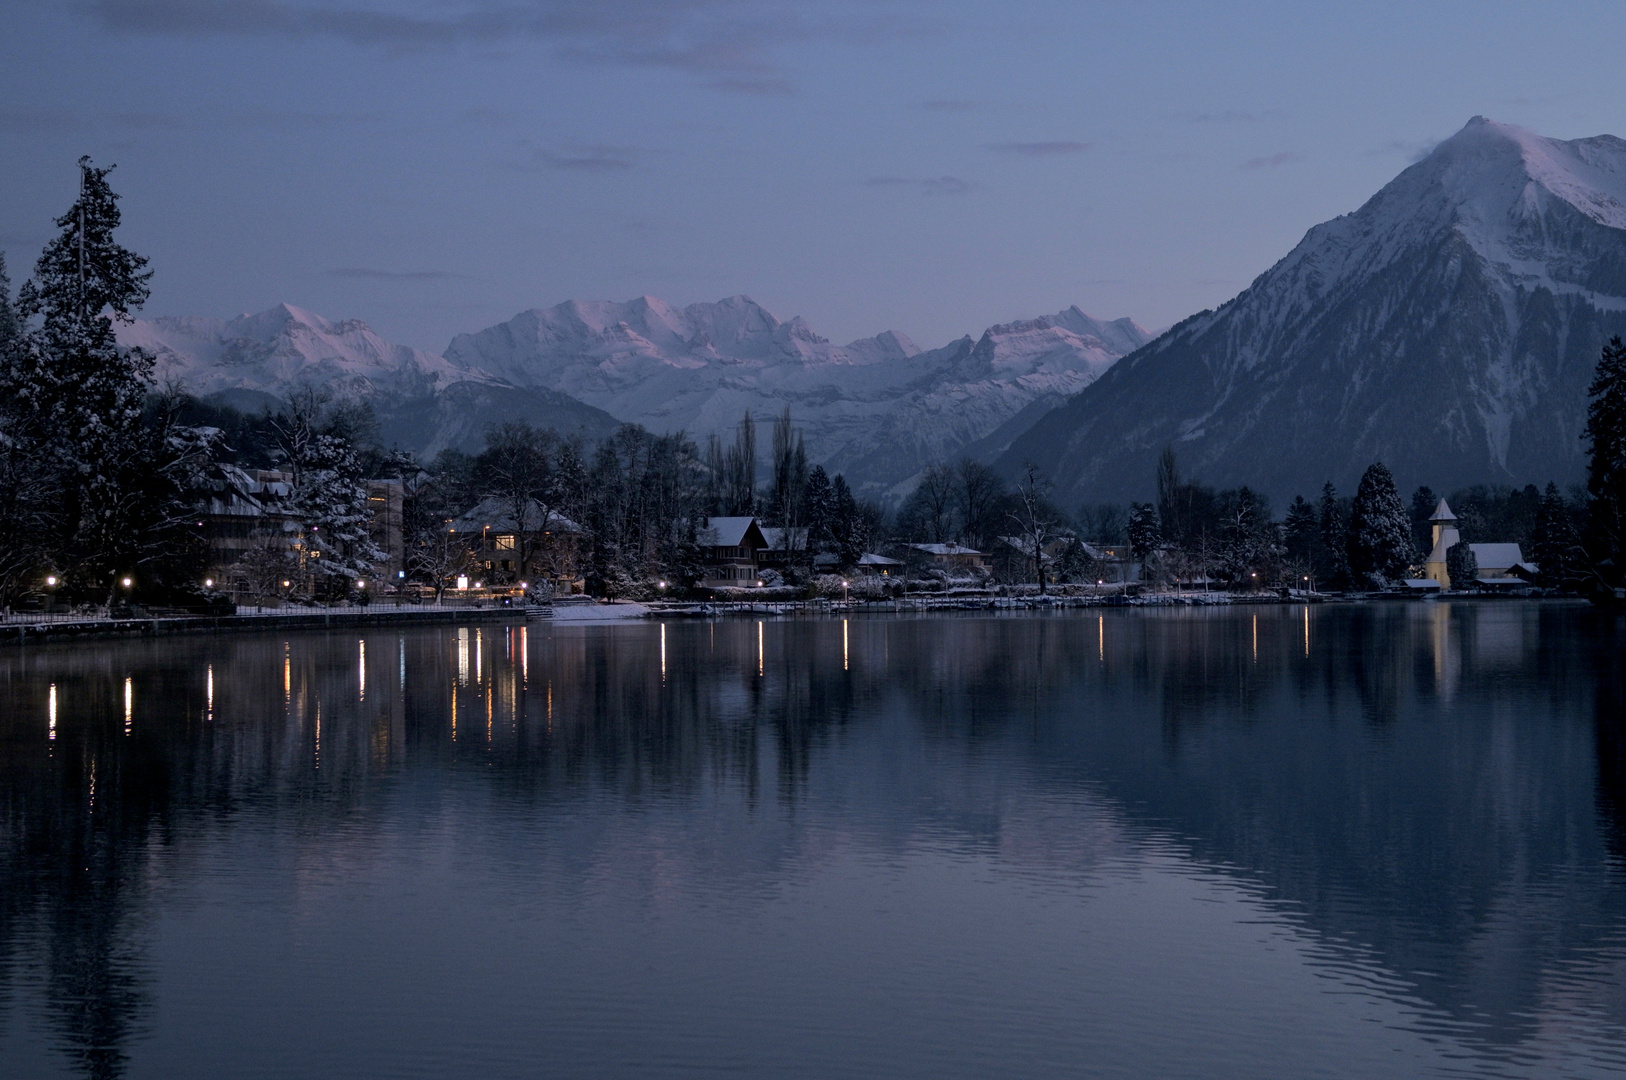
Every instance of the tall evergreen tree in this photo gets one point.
(1379, 544)
(1423, 502)
(1606, 466)
(1144, 534)
(1332, 561)
(1461, 564)
(122, 469)
(1300, 532)
(1555, 547)
(30, 484)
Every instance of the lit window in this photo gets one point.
(505, 543)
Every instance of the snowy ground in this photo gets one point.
(578, 613)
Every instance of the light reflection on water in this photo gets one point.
(1379, 840)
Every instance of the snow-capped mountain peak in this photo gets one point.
(1447, 327)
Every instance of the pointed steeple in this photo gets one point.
(1443, 512)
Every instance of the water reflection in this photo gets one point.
(1435, 792)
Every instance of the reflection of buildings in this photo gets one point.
(1400, 781)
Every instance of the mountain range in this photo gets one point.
(1449, 328)
(878, 409)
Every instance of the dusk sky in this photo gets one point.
(434, 166)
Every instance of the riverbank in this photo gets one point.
(42, 632)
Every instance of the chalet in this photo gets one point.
(873, 565)
(784, 547)
(950, 556)
(729, 549)
(534, 546)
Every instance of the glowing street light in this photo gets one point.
(51, 581)
(208, 583)
(844, 590)
(127, 582)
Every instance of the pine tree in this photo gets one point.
(1379, 544)
(1423, 502)
(30, 487)
(1144, 535)
(1300, 529)
(1332, 563)
(1555, 546)
(1606, 466)
(123, 471)
(850, 526)
(1461, 565)
(820, 510)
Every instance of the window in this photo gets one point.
(505, 543)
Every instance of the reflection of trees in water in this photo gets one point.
(1455, 840)
(1396, 774)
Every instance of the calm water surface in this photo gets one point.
(1346, 841)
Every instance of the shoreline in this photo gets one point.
(28, 633)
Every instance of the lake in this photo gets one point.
(1362, 840)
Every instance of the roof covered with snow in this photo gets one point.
(731, 532)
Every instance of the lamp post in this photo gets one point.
(843, 590)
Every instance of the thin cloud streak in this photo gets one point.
(709, 37)
(1039, 149)
(364, 273)
(934, 185)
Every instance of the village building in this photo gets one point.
(784, 548)
(729, 549)
(534, 547)
(952, 556)
(873, 565)
(1445, 536)
(1501, 565)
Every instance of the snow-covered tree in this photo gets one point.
(30, 484)
(329, 498)
(1379, 544)
(1461, 565)
(1037, 522)
(126, 470)
(1332, 561)
(1555, 546)
(1606, 465)
(1144, 536)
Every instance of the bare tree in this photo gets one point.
(1035, 519)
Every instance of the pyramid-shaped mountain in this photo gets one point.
(1448, 328)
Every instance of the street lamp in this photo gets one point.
(51, 581)
(208, 583)
(127, 582)
(844, 590)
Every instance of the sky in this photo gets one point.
(928, 166)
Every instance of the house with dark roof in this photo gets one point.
(729, 551)
(532, 546)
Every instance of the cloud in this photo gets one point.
(1229, 116)
(1413, 152)
(1039, 149)
(1270, 161)
(368, 274)
(579, 159)
(948, 106)
(932, 185)
(733, 38)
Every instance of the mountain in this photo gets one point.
(423, 403)
(878, 409)
(1448, 328)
